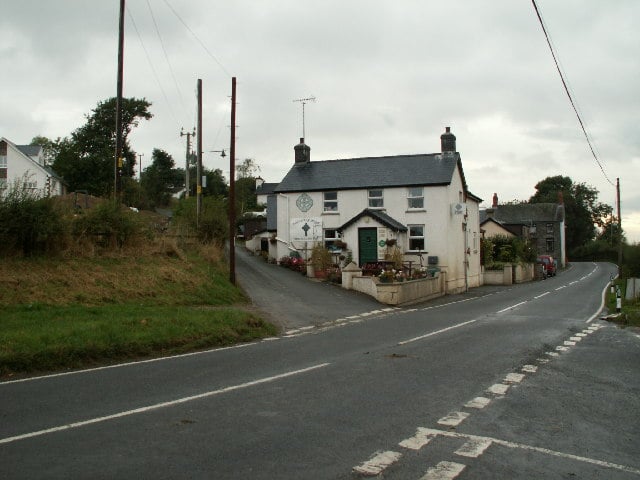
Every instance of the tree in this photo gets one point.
(161, 179)
(86, 159)
(583, 211)
(248, 168)
(50, 148)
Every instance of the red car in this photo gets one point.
(548, 265)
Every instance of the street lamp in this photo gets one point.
(221, 152)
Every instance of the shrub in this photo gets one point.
(214, 222)
(108, 223)
(28, 224)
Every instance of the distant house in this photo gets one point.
(540, 223)
(24, 165)
(358, 206)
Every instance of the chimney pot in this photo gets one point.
(495, 200)
(302, 153)
(448, 141)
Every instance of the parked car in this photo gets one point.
(547, 264)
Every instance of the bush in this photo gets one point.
(214, 221)
(108, 223)
(28, 224)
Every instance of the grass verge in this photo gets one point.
(60, 314)
(630, 308)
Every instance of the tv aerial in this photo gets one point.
(304, 101)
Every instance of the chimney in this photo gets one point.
(560, 197)
(448, 141)
(259, 182)
(495, 201)
(302, 153)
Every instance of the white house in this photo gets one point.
(421, 201)
(25, 165)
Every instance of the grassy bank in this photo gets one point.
(75, 313)
(630, 309)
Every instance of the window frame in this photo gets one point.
(329, 242)
(411, 237)
(375, 198)
(326, 201)
(412, 196)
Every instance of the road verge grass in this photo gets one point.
(60, 314)
(630, 312)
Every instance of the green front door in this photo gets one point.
(367, 245)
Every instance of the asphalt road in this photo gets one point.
(480, 385)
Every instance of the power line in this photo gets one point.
(153, 70)
(166, 56)
(566, 89)
(197, 39)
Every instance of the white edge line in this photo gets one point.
(137, 362)
(160, 405)
(415, 339)
(604, 295)
(542, 295)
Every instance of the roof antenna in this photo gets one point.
(304, 102)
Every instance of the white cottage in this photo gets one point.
(25, 164)
(419, 202)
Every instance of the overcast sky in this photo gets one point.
(388, 78)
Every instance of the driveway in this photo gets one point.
(290, 300)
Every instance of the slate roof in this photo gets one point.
(30, 150)
(371, 172)
(266, 188)
(525, 213)
(380, 216)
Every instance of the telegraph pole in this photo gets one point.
(619, 228)
(118, 160)
(199, 154)
(232, 187)
(140, 155)
(188, 155)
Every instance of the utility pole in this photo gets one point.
(304, 102)
(199, 154)
(188, 156)
(118, 161)
(140, 155)
(232, 187)
(619, 228)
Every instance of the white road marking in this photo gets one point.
(581, 335)
(543, 360)
(420, 439)
(552, 354)
(157, 406)
(542, 295)
(560, 288)
(530, 368)
(567, 343)
(562, 349)
(546, 451)
(444, 471)
(453, 419)
(575, 339)
(474, 447)
(377, 463)
(498, 389)
(514, 377)
(415, 339)
(478, 402)
(512, 307)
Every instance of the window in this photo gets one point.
(416, 237)
(3, 171)
(331, 236)
(415, 197)
(550, 228)
(376, 199)
(330, 201)
(550, 245)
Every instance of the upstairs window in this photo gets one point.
(330, 201)
(415, 198)
(376, 200)
(3, 171)
(550, 228)
(416, 237)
